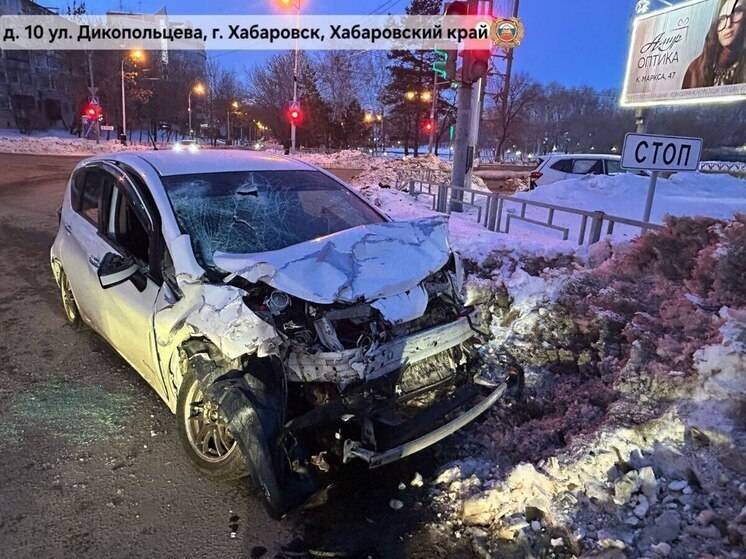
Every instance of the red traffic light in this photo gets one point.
(457, 8)
(92, 111)
(295, 115)
(427, 125)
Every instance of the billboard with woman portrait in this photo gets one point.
(692, 52)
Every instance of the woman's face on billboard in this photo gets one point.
(730, 21)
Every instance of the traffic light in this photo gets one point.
(457, 8)
(295, 114)
(92, 111)
(445, 64)
(476, 65)
(427, 125)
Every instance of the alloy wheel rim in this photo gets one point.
(68, 299)
(207, 435)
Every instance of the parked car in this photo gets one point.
(557, 167)
(288, 324)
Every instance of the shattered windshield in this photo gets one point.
(257, 211)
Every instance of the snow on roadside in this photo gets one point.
(54, 145)
(623, 195)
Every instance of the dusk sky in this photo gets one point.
(574, 42)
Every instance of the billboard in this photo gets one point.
(693, 52)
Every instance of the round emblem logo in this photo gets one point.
(507, 32)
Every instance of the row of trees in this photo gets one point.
(356, 99)
(542, 118)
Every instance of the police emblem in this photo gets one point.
(507, 32)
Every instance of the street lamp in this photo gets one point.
(233, 106)
(137, 55)
(410, 95)
(426, 96)
(199, 89)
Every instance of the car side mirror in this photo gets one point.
(115, 269)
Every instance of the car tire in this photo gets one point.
(212, 450)
(69, 305)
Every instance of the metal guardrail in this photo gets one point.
(735, 168)
(491, 212)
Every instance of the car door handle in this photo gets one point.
(94, 261)
(68, 227)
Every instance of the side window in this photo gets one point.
(563, 165)
(126, 229)
(613, 167)
(76, 189)
(586, 166)
(88, 188)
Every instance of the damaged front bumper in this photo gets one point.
(356, 449)
(355, 364)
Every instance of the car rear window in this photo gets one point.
(563, 165)
(257, 211)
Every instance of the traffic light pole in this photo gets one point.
(433, 106)
(461, 148)
(295, 78)
(475, 117)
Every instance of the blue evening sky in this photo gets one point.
(573, 42)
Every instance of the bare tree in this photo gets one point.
(513, 109)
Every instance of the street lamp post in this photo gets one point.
(135, 55)
(199, 89)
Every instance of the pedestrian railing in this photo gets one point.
(735, 168)
(491, 211)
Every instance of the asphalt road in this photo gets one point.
(91, 464)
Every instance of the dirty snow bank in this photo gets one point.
(387, 171)
(630, 439)
(54, 145)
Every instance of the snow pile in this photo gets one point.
(54, 145)
(385, 171)
(630, 437)
(345, 159)
(624, 195)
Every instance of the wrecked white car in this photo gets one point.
(288, 324)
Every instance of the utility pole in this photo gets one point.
(506, 81)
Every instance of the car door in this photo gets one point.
(130, 230)
(82, 246)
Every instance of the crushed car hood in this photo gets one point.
(364, 263)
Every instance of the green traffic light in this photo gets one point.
(439, 66)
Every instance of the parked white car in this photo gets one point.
(288, 324)
(557, 167)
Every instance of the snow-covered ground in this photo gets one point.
(624, 195)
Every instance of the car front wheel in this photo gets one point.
(207, 441)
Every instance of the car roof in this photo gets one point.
(169, 162)
(583, 155)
